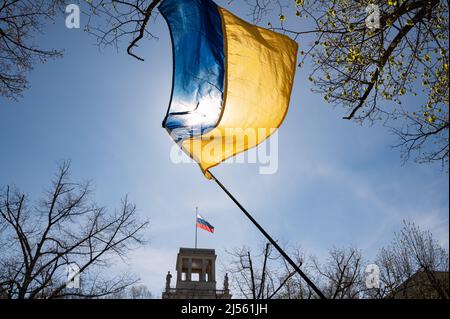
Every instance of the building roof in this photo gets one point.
(197, 251)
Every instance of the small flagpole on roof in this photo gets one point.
(196, 213)
(273, 242)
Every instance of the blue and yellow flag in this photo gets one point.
(232, 81)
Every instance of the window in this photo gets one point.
(195, 277)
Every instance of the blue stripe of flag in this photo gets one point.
(198, 66)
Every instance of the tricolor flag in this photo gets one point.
(203, 224)
(232, 81)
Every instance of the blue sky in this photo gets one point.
(337, 184)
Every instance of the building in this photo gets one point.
(196, 276)
(424, 285)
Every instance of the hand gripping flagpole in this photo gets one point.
(270, 239)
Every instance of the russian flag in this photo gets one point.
(203, 224)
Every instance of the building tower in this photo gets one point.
(196, 276)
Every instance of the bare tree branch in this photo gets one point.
(65, 227)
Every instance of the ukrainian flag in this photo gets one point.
(232, 81)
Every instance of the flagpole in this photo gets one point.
(196, 213)
(273, 242)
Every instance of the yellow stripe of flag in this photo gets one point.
(260, 68)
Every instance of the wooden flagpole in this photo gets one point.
(270, 239)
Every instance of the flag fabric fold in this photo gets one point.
(232, 81)
(203, 224)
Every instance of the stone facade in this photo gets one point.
(196, 276)
(422, 285)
